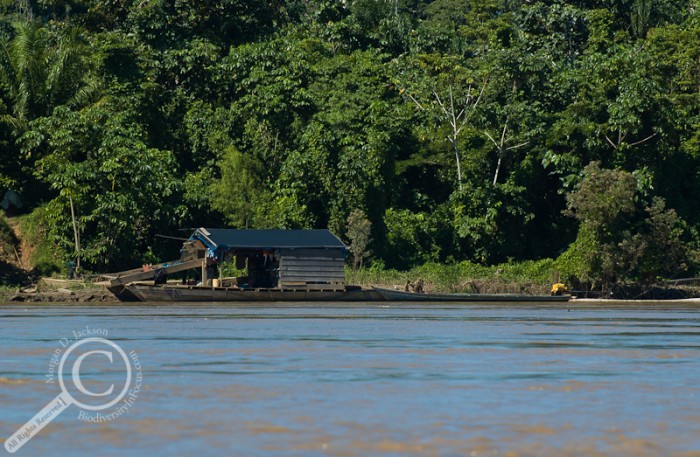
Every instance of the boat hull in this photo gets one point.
(178, 293)
(160, 293)
(400, 295)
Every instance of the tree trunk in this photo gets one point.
(459, 166)
(498, 169)
(75, 233)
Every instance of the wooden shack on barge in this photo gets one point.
(281, 259)
(272, 259)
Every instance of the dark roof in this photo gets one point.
(267, 239)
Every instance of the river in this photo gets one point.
(360, 380)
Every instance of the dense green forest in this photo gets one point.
(487, 131)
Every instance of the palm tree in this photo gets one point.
(39, 70)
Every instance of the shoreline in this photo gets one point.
(617, 301)
(60, 296)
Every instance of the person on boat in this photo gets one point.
(408, 287)
(71, 267)
(558, 289)
(212, 269)
(269, 269)
(160, 277)
(418, 288)
(268, 260)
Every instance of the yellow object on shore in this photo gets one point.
(558, 289)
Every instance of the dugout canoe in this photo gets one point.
(400, 295)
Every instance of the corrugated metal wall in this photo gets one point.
(311, 267)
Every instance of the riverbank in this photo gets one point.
(55, 290)
(88, 295)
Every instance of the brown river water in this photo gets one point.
(360, 380)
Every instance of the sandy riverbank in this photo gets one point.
(617, 302)
(87, 295)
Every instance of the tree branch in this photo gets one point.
(517, 146)
(614, 146)
(644, 140)
(503, 135)
(416, 102)
(492, 140)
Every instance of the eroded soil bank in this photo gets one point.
(96, 294)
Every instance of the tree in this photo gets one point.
(618, 241)
(457, 126)
(603, 199)
(360, 236)
(666, 253)
(454, 110)
(239, 195)
(343, 158)
(41, 68)
(502, 149)
(123, 191)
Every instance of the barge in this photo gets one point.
(276, 266)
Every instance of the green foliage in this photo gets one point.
(360, 236)
(45, 257)
(229, 269)
(618, 242)
(603, 199)
(664, 253)
(465, 277)
(238, 194)
(412, 237)
(582, 262)
(121, 188)
(461, 128)
(8, 241)
(42, 67)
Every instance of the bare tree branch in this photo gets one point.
(622, 137)
(501, 149)
(517, 146)
(611, 142)
(416, 102)
(456, 119)
(644, 140)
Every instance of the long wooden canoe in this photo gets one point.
(182, 293)
(400, 295)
